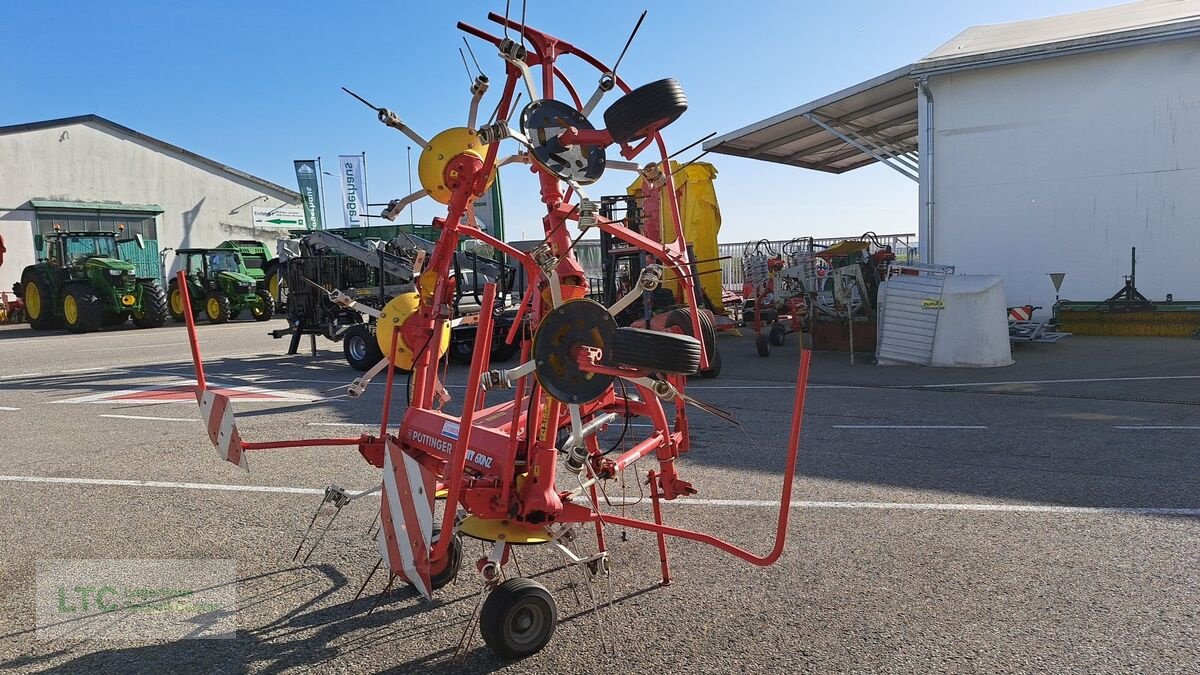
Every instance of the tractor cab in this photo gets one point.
(219, 286)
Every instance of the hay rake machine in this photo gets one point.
(525, 470)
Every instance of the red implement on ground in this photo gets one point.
(526, 470)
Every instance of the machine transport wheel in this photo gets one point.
(216, 307)
(518, 618)
(82, 311)
(154, 306)
(39, 300)
(763, 343)
(681, 319)
(777, 334)
(645, 110)
(656, 350)
(361, 348)
(265, 308)
(440, 575)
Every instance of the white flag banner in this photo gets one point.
(351, 170)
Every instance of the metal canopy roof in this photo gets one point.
(872, 121)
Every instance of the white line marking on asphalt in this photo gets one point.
(339, 424)
(144, 417)
(18, 375)
(1153, 428)
(741, 503)
(4, 407)
(1072, 381)
(907, 426)
(93, 369)
(127, 334)
(183, 345)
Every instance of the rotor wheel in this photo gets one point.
(37, 293)
(645, 110)
(216, 307)
(82, 309)
(655, 350)
(518, 618)
(154, 306)
(681, 319)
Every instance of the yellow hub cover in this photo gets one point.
(177, 301)
(507, 530)
(70, 309)
(213, 307)
(33, 301)
(395, 313)
(431, 167)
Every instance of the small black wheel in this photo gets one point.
(502, 351)
(155, 308)
(461, 350)
(216, 307)
(518, 618)
(449, 570)
(777, 334)
(645, 110)
(763, 344)
(264, 309)
(361, 348)
(682, 320)
(656, 350)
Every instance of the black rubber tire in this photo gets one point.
(645, 110)
(112, 319)
(47, 320)
(777, 335)
(90, 313)
(682, 319)
(505, 611)
(179, 317)
(460, 351)
(714, 365)
(763, 343)
(360, 347)
(450, 572)
(154, 306)
(656, 350)
(223, 312)
(268, 304)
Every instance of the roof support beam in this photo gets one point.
(867, 147)
(837, 142)
(840, 119)
(901, 149)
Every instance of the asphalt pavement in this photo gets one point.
(1042, 517)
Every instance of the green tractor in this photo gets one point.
(219, 286)
(261, 264)
(83, 283)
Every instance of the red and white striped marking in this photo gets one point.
(1020, 313)
(406, 514)
(217, 414)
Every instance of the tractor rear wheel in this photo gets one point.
(518, 618)
(645, 110)
(216, 307)
(264, 309)
(154, 306)
(656, 350)
(37, 293)
(82, 310)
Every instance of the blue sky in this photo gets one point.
(256, 84)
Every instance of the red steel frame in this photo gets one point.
(494, 445)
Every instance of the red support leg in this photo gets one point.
(662, 539)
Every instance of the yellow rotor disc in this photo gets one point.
(431, 167)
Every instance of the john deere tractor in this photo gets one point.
(83, 283)
(219, 287)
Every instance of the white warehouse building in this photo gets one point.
(1051, 145)
(87, 173)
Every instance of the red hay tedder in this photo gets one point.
(526, 470)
